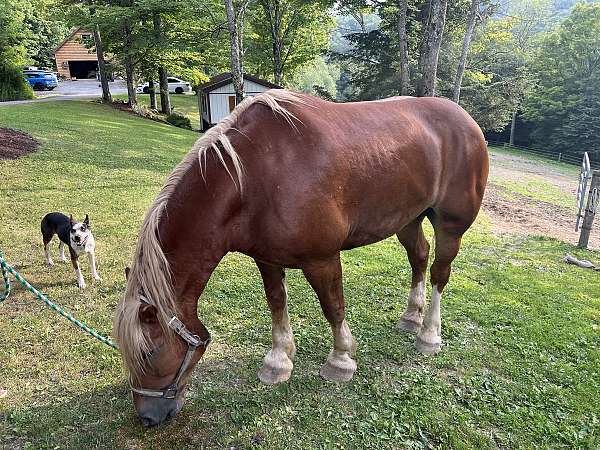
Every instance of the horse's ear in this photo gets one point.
(71, 220)
(86, 220)
(127, 270)
(148, 314)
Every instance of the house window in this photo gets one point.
(231, 103)
(86, 37)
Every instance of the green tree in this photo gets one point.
(566, 67)
(12, 52)
(286, 35)
(318, 77)
(47, 26)
(496, 78)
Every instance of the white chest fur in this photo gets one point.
(86, 247)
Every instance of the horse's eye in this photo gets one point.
(151, 354)
(73, 230)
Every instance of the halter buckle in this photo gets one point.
(167, 392)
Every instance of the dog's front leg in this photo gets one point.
(80, 280)
(92, 260)
(61, 249)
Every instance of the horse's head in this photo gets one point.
(161, 358)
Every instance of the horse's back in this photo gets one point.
(355, 173)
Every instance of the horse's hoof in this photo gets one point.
(338, 368)
(428, 348)
(408, 326)
(277, 368)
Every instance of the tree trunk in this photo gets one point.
(273, 13)
(106, 97)
(465, 49)
(165, 98)
(404, 73)
(129, 68)
(236, 57)
(430, 48)
(200, 112)
(152, 92)
(512, 128)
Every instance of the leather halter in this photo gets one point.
(193, 341)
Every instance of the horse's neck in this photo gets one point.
(193, 231)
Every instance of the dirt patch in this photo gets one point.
(513, 213)
(14, 144)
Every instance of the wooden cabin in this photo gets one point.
(75, 58)
(218, 96)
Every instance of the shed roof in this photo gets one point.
(225, 78)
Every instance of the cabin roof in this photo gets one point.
(225, 78)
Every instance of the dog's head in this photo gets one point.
(80, 231)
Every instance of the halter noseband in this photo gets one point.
(193, 341)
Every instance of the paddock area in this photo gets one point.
(519, 367)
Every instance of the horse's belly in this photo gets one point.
(375, 229)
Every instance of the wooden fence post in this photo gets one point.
(590, 210)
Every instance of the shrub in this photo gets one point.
(179, 121)
(13, 86)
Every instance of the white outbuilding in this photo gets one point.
(218, 96)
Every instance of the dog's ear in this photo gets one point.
(71, 222)
(127, 270)
(86, 221)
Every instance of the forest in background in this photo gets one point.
(538, 60)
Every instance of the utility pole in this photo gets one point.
(590, 210)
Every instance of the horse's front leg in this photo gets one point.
(277, 365)
(326, 279)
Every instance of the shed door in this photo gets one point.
(231, 103)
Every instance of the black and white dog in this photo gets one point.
(77, 235)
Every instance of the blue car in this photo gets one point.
(40, 79)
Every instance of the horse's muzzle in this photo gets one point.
(154, 412)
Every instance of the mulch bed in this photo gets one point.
(14, 144)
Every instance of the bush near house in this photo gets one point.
(13, 86)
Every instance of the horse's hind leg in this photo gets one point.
(417, 249)
(448, 234)
(277, 364)
(325, 277)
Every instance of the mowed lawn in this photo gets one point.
(520, 365)
(184, 104)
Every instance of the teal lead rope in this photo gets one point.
(6, 269)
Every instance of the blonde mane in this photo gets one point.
(150, 274)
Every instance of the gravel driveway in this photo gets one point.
(73, 90)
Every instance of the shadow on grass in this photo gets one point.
(105, 418)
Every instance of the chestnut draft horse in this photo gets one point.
(291, 180)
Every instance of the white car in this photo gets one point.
(176, 86)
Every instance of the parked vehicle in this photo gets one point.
(176, 86)
(41, 79)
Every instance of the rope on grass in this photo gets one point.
(6, 269)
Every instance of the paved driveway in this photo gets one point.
(73, 90)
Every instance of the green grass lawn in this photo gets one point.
(186, 105)
(520, 367)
